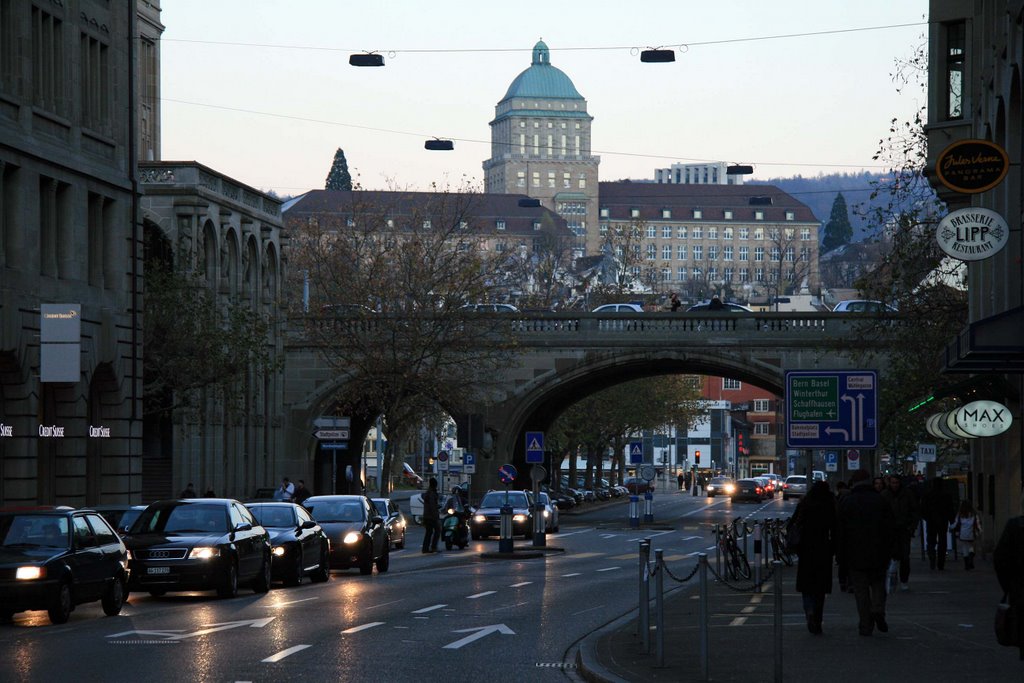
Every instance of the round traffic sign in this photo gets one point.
(507, 474)
(537, 473)
(442, 456)
(853, 454)
(647, 472)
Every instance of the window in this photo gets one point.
(790, 254)
(48, 62)
(744, 253)
(681, 252)
(99, 225)
(727, 274)
(727, 253)
(712, 273)
(762, 405)
(712, 233)
(426, 225)
(805, 254)
(773, 234)
(566, 181)
(759, 215)
(762, 428)
(758, 233)
(805, 234)
(500, 225)
(84, 537)
(521, 179)
(698, 214)
(759, 275)
(666, 213)
(727, 233)
(759, 253)
(666, 252)
(551, 179)
(681, 273)
(463, 225)
(535, 178)
(652, 232)
(790, 215)
(666, 232)
(536, 225)
(713, 253)
(634, 213)
(698, 233)
(604, 212)
(728, 215)
(956, 40)
(697, 273)
(499, 247)
(666, 274)
(104, 534)
(729, 383)
(744, 275)
(698, 252)
(744, 233)
(681, 232)
(776, 253)
(7, 67)
(583, 181)
(652, 252)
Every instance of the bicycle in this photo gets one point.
(775, 530)
(736, 564)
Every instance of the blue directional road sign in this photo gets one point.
(636, 452)
(831, 409)
(334, 445)
(535, 448)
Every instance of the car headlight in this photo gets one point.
(480, 518)
(729, 488)
(546, 513)
(203, 553)
(351, 538)
(278, 551)
(30, 573)
(518, 518)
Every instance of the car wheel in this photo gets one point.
(61, 605)
(295, 577)
(322, 573)
(401, 543)
(229, 584)
(261, 584)
(384, 561)
(366, 565)
(113, 597)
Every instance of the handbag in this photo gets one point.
(1007, 633)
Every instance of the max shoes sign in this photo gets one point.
(974, 420)
(972, 234)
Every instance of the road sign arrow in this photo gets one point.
(331, 434)
(213, 628)
(478, 633)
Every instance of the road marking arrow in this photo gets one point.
(177, 634)
(480, 632)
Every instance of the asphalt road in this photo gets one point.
(454, 615)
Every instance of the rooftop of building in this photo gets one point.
(651, 199)
(542, 80)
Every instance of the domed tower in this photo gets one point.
(540, 146)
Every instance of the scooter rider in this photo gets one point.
(457, 506)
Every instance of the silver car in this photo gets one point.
(794, 486)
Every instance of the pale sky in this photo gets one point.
(262, 91)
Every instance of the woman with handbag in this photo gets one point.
(815, 522)
(1008, 559)
(966, 530)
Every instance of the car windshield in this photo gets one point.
(34, 531)
(336, 511)
(182, 518)
(274, 516)
(495, 499)
(796, 480)
(720, 480)
(381, 506)
(128, 518)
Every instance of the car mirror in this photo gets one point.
(308, 524)
(243, 526)
(377, 519)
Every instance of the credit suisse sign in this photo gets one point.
(972, 234)
(972, 166)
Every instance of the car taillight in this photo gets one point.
(785, 486)
(757, 489)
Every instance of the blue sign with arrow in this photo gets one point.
(830, 409)
(507, 474)
(636, 452)
(535, 448)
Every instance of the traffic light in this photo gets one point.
(696, 457)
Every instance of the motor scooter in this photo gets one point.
(455, 527)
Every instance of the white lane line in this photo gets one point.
(480, 595)
(424, 610)
(690, 538)
(573, 533)
(565, 576)
(609, 569)
(284, 653)
(608, 535)
(363, 627)
(520, 584)
(292, 602)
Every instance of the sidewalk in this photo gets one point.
(939, 630)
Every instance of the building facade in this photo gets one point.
(712, 173)
(541, 147)
(976, 62)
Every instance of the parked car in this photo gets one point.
(748, 489)
(198, 544)
(491, 308)
(636, 485)
(550, 513)
(727, 307)
(720, 485)
(121, 517)
(794, 486)
(619, 308)
(356, 531)
(394, 520)
(416, 508)
(299, 546)
(863, 306)
(486, 520)
(409, 476)
(57, 558)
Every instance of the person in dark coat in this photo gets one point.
(1008, 560)
(188, 492)
(816, 517)
(938, 510)
(905, 509)
(431, 518)
(866, 533)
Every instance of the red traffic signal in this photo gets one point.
(696, 457)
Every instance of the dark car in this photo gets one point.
(748, 489)
(299, 547)
(720, 485)
(358, 535)
(724, 307)
(486, 521)
(198, 544)
(121, 517)
(56, 558)
(635, 485)
(394, 520)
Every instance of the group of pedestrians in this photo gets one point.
(867, 530)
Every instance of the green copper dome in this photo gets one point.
(542, 79)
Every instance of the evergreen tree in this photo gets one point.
(339, 178)
(838, 230)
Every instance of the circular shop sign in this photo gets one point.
(984, 418)
(972, 234)
(972, 166)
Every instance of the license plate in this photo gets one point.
(158, 570)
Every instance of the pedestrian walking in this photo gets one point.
(681, 478)
(905, 511)
(865, 533)
(815, 517)
(1008, 560)
(676, 303)
(938, 509)
(431, 518)
(301, 492)
(286, 491)
(188, 492)
(966, 529)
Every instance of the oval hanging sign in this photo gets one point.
(984, 418)
(972, 234)
(972, 166)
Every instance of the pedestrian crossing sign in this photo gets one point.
(636, 452)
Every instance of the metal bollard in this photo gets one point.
(757, 557)
(634, 511)
(505, 543)
(659, 610)
(645, 594)
(777, 568)
(648, 507)
(718, 549)
(703, 617)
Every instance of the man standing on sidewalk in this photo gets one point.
(903, 502)
(866, 534)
